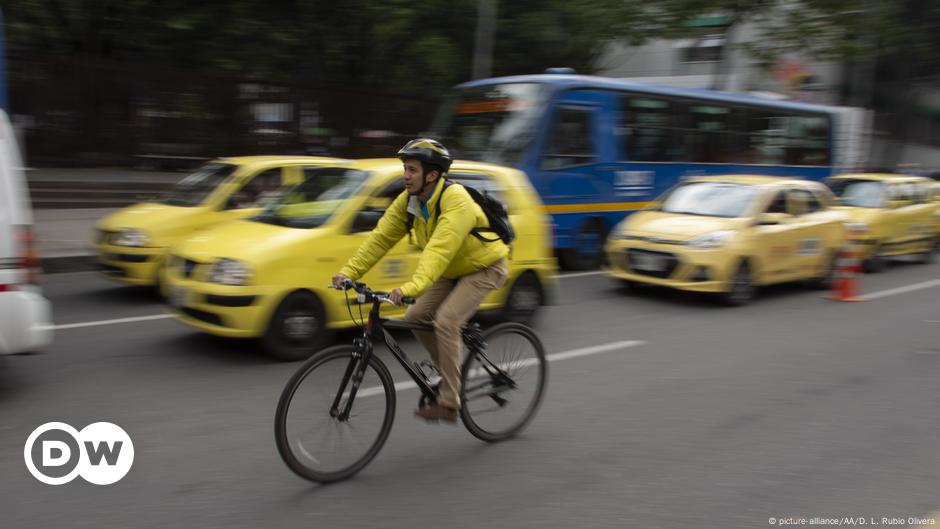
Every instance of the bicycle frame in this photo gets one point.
(377, 327)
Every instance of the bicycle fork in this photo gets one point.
(354, 374)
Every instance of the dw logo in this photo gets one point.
(102, 453)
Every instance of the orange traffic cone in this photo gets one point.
(848, 269)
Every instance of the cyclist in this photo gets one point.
(455, 271)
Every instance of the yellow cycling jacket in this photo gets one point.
(449, 250)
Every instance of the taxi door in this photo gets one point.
(923, 221)
(809, 226)
(774, 243)
(897, 219)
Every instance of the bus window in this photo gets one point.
(709, 138)
(766, 134)
(647, 130)
(571, 141)
(807, 137)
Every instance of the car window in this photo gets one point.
(860, 193)
(312, 202)
(392, 190)
(712, 199)
(483, 184)
(196, 187)
(571, 141)
(803, 202)
(259, 192)
(778, 204)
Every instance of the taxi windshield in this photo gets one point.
(193, 190)
(312, 202)
(859, 193)
(711, 199)
(492, 123)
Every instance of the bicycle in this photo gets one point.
(345, 401)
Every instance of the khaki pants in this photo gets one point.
(449, 304)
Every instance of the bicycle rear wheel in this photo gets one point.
(323, 448)
(502, 386)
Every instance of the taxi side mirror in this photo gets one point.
(366, 220)
(771, 219)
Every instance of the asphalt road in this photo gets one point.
(795, 406)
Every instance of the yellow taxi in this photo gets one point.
(132, 243)
(728, 235)
(266, 276)
(895, 211)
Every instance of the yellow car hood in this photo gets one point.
(243, 240)
(155, 219)
(677, 227)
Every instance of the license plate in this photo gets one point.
(648, 262)
(178, 297)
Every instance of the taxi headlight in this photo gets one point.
(131, 237)
(715, 239)
(231, 272)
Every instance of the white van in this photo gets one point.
(25, 316)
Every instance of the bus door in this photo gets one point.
(575, 173)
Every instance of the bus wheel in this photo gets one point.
(588, 250)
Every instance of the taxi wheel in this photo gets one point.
(876, 263)
(524, 299)
(741, 287)
(297, 328)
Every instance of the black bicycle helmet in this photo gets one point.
(428, 151)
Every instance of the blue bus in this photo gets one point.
(598, 148)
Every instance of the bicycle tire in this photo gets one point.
(282, 427)
(471, 417)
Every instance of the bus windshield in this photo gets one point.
(491, 123)
(711, 199)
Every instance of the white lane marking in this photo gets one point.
(565, 355)
(108, 322)
(580, 274)
(902, 290)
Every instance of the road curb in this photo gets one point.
(68, 263)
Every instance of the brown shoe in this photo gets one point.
(437, 412)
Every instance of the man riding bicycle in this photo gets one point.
(456, 271)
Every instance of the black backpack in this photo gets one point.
(494, 210)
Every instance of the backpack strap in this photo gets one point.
(437, 206)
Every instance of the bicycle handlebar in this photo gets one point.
(368, 294)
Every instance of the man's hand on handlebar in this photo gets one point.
(396, 296)
(339, 280)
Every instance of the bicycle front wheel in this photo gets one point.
(502, 385)
(313, 442)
